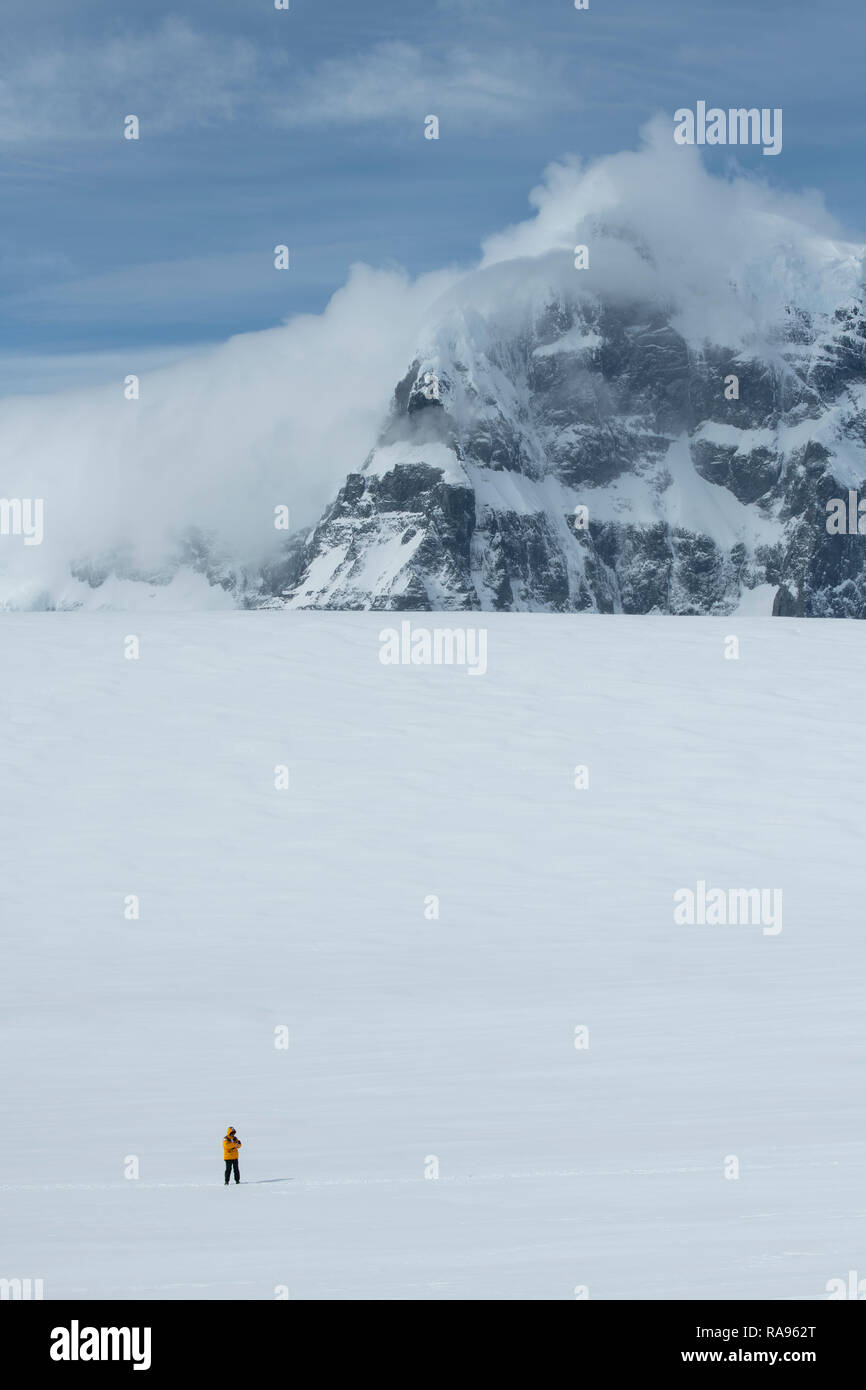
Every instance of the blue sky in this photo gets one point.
(305, 127)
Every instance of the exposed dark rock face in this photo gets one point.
(557, 448)
(700, 494)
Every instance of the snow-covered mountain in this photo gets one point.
(704, 464)
(654, 424)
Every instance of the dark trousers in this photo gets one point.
(232, 1165)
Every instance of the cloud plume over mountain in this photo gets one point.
(143, 496)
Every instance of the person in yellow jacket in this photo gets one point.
(231, 1144)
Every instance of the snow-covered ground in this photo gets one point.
(411, 1037)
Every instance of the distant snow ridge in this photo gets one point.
(705, 466)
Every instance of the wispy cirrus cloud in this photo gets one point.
(401, 80)
(177, 77)
(173, 76)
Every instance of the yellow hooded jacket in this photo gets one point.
(231, 1144)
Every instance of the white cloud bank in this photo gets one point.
(218, 440)
(729, 253)
(215, 441)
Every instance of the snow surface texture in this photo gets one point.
(411, 1037)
